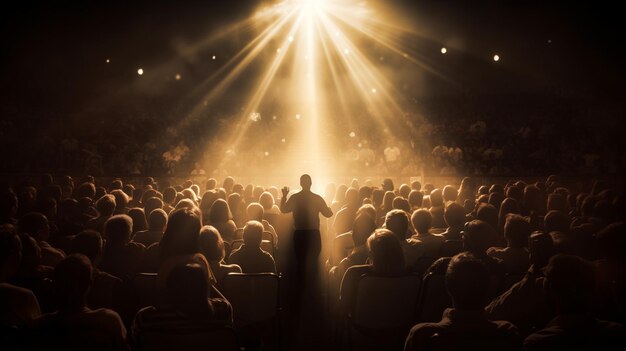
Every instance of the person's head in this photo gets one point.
(397, 222)
(454, 215)
(516, 231)
(362, 228)
(557, 202)
(228, 184)
(211, 244)
(570, 282)
(352, 198)
(88, 243)
(219, 212)
(10, 253)
(533, 198)
(157, 220)
(422, 220)
(404, 190)
(139, 219)
(106, 205)
(85, 190)
(388, 200)
(73, 277)
(400, 203)
(377, 197)
(188, 194)
(117, 230)
(416, 198)
(449, 193)
(367, 209)
(211, 183)
(151, 204)
(121, 200)
(556, 221)
(169, 196)
(416, 185)
(256, 193)
(509, 205)
(128, 189)
(266, 200)
(34, 224)
(187, 289)
(495, 199)
(467, 282)
(365, 193)
(306, 182)
(255, 212)
(478, 236)
(387, 184)
(181, 234)
(436, 198)
(253, 234)
(487, 213)
(385, 252)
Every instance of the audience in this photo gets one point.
(250, 257)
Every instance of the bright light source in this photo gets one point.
(177, 76)
(283, 140)
(140, 71)
(352, 134)
(255, 117)
(108, 61)
(444, 50)
(374, 90)
(549, 41)
(267, 153)
(213, 57)
(496, 58)
(290, 39)
(346, 51)
(274, 117)
(298, 116)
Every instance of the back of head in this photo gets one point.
(377, 197)
(467, 282)
(557, 202)
(478, 236)
(169, 196)
(306, 182)
(385, 252)
(404, 190)
(436, 198)
(508, 205)
(422, 220)
(533, 198)
(181, 234)
(517, 231)
(211, 244)
(397, 222)
(121, 199)
(255, 211)
(106, 205)
(495, 199)
(152, 203)
(88, 243)
(266, 200)
(85, 190)
(416, 185)
(188, 288)
(570, 281)
(211, 183)
(352, 198)
(449, 193)
(362, 228)
(117, 229)
(488, 213)
(219, 212)
(157, 220)
(454, 215)
(72, 279)
(400, 203)
(32, 223)
(415, 198)
(387, 184)
(556, 221)
(139, 219)
(367, 209)
(253, 233)
(541, 248)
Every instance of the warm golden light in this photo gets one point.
(496, 58)
(444, 50)
(140, 71)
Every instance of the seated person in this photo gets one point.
(570, 284)
(75, 326)
(18, 306)
(467, 283)
(454, 216)
(121, 256)
(397, 221)
(191, 304)
(157, 220)
(515, 255)
(36, 225)
(250, 257)
(421, 220)
(386, 259)
(255, 213)
(212, 247)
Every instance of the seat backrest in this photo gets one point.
(385, 302)
(422, 264)
(254, 296)
(216, 338)
(434, 298)
(145, 287)
(450, 248)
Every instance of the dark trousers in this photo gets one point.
(307, 246)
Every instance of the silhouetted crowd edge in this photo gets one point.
(92, 265)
